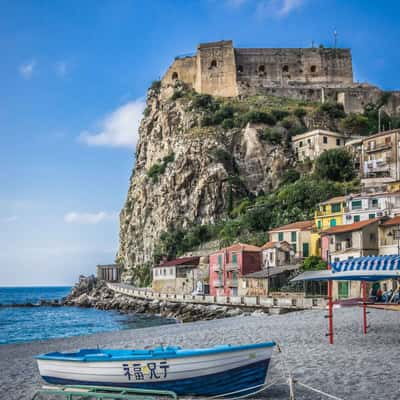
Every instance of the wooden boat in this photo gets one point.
(204, 372)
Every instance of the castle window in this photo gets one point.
(313, 68)
(213, 64)
(240, 68)
(261, 69)
(174, 76)
(285, 68)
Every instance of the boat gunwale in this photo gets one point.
(154, 354)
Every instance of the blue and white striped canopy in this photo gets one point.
(371, 268)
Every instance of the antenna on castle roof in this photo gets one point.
(312, 44)
(335, 34)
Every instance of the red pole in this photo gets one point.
(364, 290)
(330, 312)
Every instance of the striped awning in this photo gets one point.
(371, 268)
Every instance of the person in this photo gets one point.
(379, 294)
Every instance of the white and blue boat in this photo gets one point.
(201, 372)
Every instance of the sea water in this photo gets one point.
(24, 324)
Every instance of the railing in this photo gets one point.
(216, 267)
(232, 283)
(245, 301)
(217, 283)
(382, 146)
(231, 267)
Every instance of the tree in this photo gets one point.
(356, 124)
(313, 263)
(335, 165)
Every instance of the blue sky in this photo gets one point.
(73, 77)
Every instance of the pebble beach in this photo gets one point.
(355, 367)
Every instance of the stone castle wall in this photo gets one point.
(310, 74)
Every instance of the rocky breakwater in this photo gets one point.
(90, 292)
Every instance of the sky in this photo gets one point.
(73, 81)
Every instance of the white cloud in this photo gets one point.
(26, 69)
(277, 8)
(12, 218)
(62, 69)
(89, 218)
(119, 128)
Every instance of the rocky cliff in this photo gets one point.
(188, 171)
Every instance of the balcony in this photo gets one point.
(231, 267)
(378, 147)
(218, 283)
(216, 267)
(232, 283)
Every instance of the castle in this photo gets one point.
(310, 74)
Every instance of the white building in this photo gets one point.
(361, 207)
(311, 144)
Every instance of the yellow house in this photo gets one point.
(328, 214)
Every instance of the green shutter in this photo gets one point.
(356, 204)
(332, 222)
(280, 236)
(336, 207)
(319, 224)
(293, 236)
(234, 259)
(356, 218)
(306, 249)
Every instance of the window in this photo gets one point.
(388, 140)
(301, 143)
(337, 142)
(374, 203)
(324, 139)
(309, 141)
(372, 236)
(313, 68)
(356, 204)
(332, 222)
(220, 260)
(323, 208)
(356, 218)
(338, 246)
(319, 224)
(240, 69)
(371, 216)
(171, 272)
(213, 64)
(285, 68)
(336, 259)
(174, 76)
(261, 69)
(294, 247)
(234, 259)
(280, 236)
(164, 272)
(336, 207)
(331, 240)
(293, 236)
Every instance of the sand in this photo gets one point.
(355, 367)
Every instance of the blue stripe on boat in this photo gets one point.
(91, 355)
(214, 384)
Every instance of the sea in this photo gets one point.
(25, 324)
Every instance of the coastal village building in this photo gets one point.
(360, 207)
(389, 236)
(354, 147)
(309, 145)
(109, 272)
(330, 213)
(230, 263)
(346, 242)
(380, 160)
(177, 276)
(297, 234)
(276, 254)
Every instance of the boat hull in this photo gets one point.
(202, 375)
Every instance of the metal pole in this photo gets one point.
(379, 119)
(364, 288)
(330, 312)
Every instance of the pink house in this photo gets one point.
(228, 264)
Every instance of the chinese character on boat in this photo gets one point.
(127, 371)
(137, 370)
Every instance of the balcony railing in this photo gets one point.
(218, 283)
(378, 147)
(232, 283)
(231, 267)
(216, 267)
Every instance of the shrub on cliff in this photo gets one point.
(334, 110)
(159, 168)
(356, 124)
(254, 116)
(271, 135)
(335, 165)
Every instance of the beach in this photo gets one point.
(355, 367)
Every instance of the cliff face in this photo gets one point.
(185, 174)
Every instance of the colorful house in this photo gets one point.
(297, 234)
(179, 276)
(389, 236)
(230, 263)
(330, 213)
